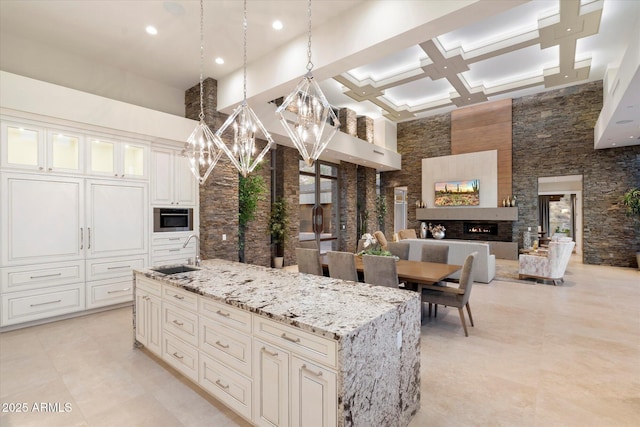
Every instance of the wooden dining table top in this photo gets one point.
(418, 272)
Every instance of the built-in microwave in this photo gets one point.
(172, 219)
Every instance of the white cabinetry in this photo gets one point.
(29, 146)
(149, 315)
(110, 158)
(117, 222)
(168, 248)
(172, 183)
(268, 372)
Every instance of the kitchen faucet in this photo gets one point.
(197, 263)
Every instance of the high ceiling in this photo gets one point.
(451, 53)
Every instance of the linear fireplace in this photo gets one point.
(481, 229)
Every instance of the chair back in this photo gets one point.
(399, 249)
(466, 276)
(407, 234)
(308, 244)
(342, 265)
(309, 261)
(360, 246)
(559, 255)
(435, 253)
(382, 240)
(380, 270)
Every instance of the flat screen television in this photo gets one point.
(457, 193)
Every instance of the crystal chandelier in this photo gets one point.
(306, 115)
(200, 148)
(243, 127)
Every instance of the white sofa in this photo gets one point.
(484, 266)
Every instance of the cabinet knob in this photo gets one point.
(115, 174)
(41, 168)
(50, 169)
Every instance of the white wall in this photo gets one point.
(482, 166)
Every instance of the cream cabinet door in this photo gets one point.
(42, 219)
(185, 183)
(117, 218)
(172, 182)
(148, 321)
(314, 397)
(271, 385)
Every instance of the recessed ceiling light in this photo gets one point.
(631, 137)
(151, 30)
(277, 25)
(566, 76)
(568, 29)
(614, 144)
(219, 61)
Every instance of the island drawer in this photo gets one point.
(231, 388)
(184, 299)
(110, 291)
(148, 285)
(28, 277)
(225, 314)
(226, 345)
(180, 322)
(313, 347)
(180, 355)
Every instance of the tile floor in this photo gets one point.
(539, 355)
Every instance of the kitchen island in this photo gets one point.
(283, 348)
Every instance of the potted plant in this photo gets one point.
(631, 201)
(251, 190)
(381, 211)
(279, 229)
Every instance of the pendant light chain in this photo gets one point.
(201, 115)
(244, 29)
(309, 63)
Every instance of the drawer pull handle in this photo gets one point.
(177, 356)
(81, 238)
(295, 340)
(89, 231)
(264, 350)
(45, 275)
(317, 374)
(117, 267)
(222, 313)
(119, 290)
(45, 303)
(174, 250)
(178, 297)
(174, 238)
(219, 384)
(219, 344)
(177, 322)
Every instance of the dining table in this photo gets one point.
(416, 274)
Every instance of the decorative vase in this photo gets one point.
(423, 230)
(278, 261)
(438, 234)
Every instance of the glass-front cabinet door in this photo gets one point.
(133, 161)
(116, 159)
(22, 146)
(102, 157)
(64, 152)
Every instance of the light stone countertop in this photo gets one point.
(329, 307)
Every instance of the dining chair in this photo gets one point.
(454, 296)
(399, 249)
(407, 234)
(342, 265)
(380, 270)
(309, 261)
(360, 246)
(308, 244)
(382, 240)
(435, 253)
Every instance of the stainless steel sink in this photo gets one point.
(175, 270)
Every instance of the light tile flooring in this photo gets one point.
(539, 355)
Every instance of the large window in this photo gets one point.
(319, 204)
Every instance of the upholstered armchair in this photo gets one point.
(407, 234)
(549, 267)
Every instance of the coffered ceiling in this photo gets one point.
(401, 59)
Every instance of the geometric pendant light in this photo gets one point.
(243, 127)
(200, 149)
(306, 114)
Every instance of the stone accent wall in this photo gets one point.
(566, 118)
(366, 197)
(348, 121)
(417, 139)
(257, 240)
(365, 128)
(347, 209)
(288, 186)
